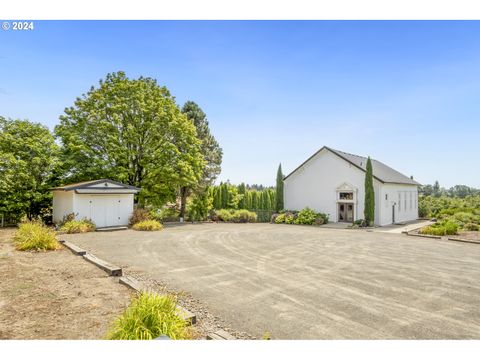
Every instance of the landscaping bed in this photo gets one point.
(55, 295)
(468, 235)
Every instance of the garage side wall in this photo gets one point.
(62, 204)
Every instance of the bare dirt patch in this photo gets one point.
(55, 295)
(469, 235)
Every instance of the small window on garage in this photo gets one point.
(386, 196)
(346, 196)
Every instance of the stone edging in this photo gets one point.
(464, 240)
(423, 235)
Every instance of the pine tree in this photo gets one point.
(279, 190)
(369, 210)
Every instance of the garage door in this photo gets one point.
(104, 210)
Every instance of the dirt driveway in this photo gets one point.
(55, 295)
(300, 282)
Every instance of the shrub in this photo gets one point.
(465, 217)
(139, 215)
(147, 225)
(224, 215)
(35, 236)
(433, 230)
(147, 317)
(280, 218)
(319, 221)
(471, 227)
(67, 218)
(237, 216)
(306, 217)
(423, 210)
(323, 216)
(165, 215)
(243, 216)
(451, 228)
(78, 226)
(273, 217)
(290, 218)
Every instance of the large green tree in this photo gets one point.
(28, 158)
(279, 190)
(369, 207)
(210, 150)
(131, 130)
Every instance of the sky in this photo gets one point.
(406, 93)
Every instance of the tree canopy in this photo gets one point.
(131, 130)
(28, 158)
(210, 150)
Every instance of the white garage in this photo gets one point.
(106, 202)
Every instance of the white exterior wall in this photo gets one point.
(62, 204)
(315, 185)
(407, 210)
(104, 210)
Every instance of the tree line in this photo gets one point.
(459, 191)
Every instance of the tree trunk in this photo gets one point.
(183, 200)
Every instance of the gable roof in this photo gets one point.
(381, 172)
(89, 184)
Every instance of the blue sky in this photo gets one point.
(406, 93)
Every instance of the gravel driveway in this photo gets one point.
(299, 282)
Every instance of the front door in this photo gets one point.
(345, 212)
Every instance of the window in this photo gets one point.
(346, 196)
(405, 201)
(386, 196)
(399, 201)
(411, 200)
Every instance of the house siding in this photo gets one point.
(315, 185)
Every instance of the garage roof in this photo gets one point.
(109, 185)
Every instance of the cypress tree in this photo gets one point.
(217, 201)
(248, 201)
(273, 200)
(369, 208)
(242, 191)
(279, 190)
(224, 190)
(254, 200)
(267, 200)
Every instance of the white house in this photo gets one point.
(332, 182)
(105, 202)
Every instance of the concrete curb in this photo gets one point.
(424, 235)
(112, 270)
(464, 240)
(220, 335)
(139, 287)
(74, 248)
